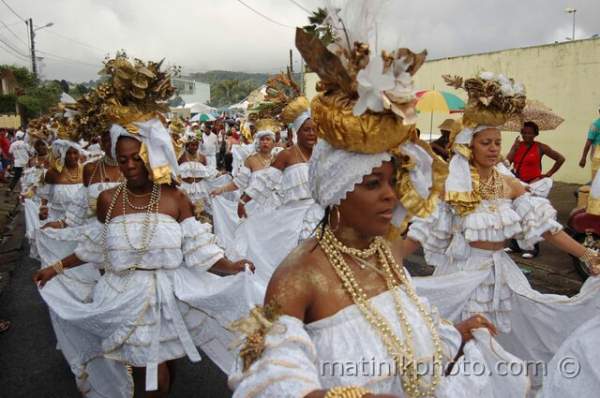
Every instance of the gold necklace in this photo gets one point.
(107, 160)
(492, 188)
(265, 162)
(402, 352)
(75, 178)
(304, 159)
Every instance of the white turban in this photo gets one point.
(157, 139)
(261, 134)
(459, 171)
(334, 172)
(59, 150)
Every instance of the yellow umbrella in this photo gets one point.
(439, 102)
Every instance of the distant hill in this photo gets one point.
(215, 76)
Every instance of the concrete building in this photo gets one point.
(564, 76)
(192, 91)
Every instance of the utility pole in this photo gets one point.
(33, 60)
(291, 62)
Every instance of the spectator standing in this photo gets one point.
(20, 152)
(526, 158)
(592, 142)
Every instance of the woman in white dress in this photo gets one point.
(32, 189)
(466, 236)
(156, 301)
(194, 172)
(341, 317)
(270, 236)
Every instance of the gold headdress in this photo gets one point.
(267, 125)
(280, 92)
(493, 100)
(132, 102)
(366, 102)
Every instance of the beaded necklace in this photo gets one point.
(403, 353)
(148, 230)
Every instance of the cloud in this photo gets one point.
(224, 34)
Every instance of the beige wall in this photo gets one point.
(564, 76)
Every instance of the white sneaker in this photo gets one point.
(527, 255)
(508, 250)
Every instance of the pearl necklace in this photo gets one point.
(402, 352)
(151, 209)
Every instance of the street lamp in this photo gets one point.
(32, 37)
(572, 11)
(45, 26)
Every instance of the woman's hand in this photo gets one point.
(41, 277)
(475, 322)
(241, 210)
(54, 224)
(240, 266)
(216, 192)
(43, 214)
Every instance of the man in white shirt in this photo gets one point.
(210, 147)
(20, 153)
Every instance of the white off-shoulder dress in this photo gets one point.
(468, 281)
(345, 350)
(158, 304)
(270, 236)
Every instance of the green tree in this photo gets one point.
(229, 92)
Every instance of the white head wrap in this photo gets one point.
(158, 142)
(334, 172)
(19, 135)
(60, 148)
(261, 134)
(459, 173)
(299, 121)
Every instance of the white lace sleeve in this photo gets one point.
(242, 178)
(200, 247)
(76, 213)
(43, 191)
(263, 184)
(90, 247)
(434, 234)
(537, 217)
(286, 368)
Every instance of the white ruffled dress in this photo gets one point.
(345, 350)
(199, 190)
(262, 186)
(268, 237)
(159, 304)
(468, 281)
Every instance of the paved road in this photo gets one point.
(30, 365)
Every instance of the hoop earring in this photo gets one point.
(339, 217)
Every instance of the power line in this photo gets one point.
(13, 33)
(265, 16)
(301, 6)
(13, 24)
(68, 59)
(16, 55)
(9, 45)
(13, 11)
(76, 41)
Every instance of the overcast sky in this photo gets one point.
(203, 35)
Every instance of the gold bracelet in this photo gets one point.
(346, 392)
(58, 267)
